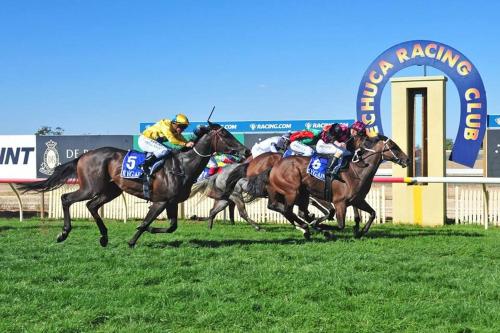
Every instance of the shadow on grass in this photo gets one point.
(205, 243)
(5, 228)
(344, 236)
(44, 226)
(420, 233)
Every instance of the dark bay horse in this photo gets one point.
(288, 183)
(220, 188)
(98, 172)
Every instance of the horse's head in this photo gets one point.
(388, 149)
(220, 140)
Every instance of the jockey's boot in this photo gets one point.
(333, 168)
(146, 166)
(336, 169)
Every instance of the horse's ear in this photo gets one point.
(200, 131)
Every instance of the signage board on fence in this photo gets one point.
(55, 150)
(494, 121)
(493, 152)
(267, 126)
(18, 156)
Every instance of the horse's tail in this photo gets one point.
(239, 172)
(256, 186)
(201, 186)
(61, 174)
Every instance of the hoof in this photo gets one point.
(357, 234)
(329, 236)
(104, 241)
(171, 229)
(131, 244)
(307, 235)
(62, 237)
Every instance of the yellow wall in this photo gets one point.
(420, 204)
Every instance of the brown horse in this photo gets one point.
(237, 183)
(288, 183)
(219, 188)
(98, 172)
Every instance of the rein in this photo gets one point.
(212, 144)
(359, 157)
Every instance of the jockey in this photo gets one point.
(333, 141)
(273, 144)
(302, 142)
(217, 163)
(358, 128)
(162, 138)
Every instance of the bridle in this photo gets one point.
(358, 153)
(213, 144)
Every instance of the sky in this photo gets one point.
(103, 67)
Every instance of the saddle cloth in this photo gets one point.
(131, 165)
(317, 167)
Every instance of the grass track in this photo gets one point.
(400, 279)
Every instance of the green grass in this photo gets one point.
(233, 279)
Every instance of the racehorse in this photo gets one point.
(236, 186)
(98, 173)
(219, 188)
(288, 183)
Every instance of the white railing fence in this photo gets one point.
(469, 204)
(129, 207)
(465, 206)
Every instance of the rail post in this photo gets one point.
(486, 211)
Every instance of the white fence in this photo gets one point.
(129, 207)
(469, 204)
(465, 206)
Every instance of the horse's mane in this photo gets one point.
(201, 131)
(372, 141)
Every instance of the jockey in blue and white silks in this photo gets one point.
(273, 144)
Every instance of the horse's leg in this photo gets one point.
(67, 200)
(298, 223)
(155, 210)
(237, 198)
(325, 207)
(357, 220)
(97, 202)
(172, 216)
(231, 211)
(219, 205)
(363, 205)
(303, 204)
(290, 198)
(340, 214)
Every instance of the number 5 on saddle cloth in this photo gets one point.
(131, 168)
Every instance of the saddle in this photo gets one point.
(131, 168)
(344, 163)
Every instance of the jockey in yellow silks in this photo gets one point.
(163, 137)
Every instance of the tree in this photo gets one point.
(448, 144)
(47, 130)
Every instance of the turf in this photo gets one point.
(233, 279)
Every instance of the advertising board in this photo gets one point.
(55, 150)
(18, 156)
